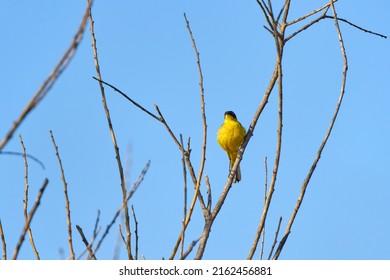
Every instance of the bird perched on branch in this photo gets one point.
(230, 136)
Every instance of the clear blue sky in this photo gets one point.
(145, 50)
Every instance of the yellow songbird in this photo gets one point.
(230, 136)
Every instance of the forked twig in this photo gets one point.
(29, 219)
(25, 201)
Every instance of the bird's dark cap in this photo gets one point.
(231, 113)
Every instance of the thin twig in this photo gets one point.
(306, 26)
(203, 111)
(325, 7)
(128, 98)
(209, 194)
(324, 141)
(184, 194)
(132, 191)
(21, 154)
(279, 43)
(85, 241)
(198, 179)
(67, 204)
(113, 138)
(96, 227)
(25, 201)
(358, 27)
(162, 120)
(265, 198)
(189, 249)
(4, 245)
(90, 244)
(275, 239)
(29, 219)
(52, 78)
(135, 232)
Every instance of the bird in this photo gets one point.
(230, 136)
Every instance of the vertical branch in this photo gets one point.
(110, 126)
(279, 43)
(185, 196)
(198, 180)
(29, 219)
(51, 79)
(25, 201)
(324, 141)
(4, 245)
(265, 198)
(67, 204)
(202, 104)
(136, 232)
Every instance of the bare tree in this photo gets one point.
(282, 30)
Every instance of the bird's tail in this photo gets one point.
(237, 178)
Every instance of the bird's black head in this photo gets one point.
(232, 114)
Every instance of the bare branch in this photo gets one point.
(136, 232)
(4, 245)
(25, 201)
(29, 219)
(21, 154)
(128, 98)
(265, 198)
(85, 241)
(67, 204)
(113, 138)
(275, 239)
(196, 180)
(358, 27)
(325, 7)
(96, 228)
(324, 141)
(132, 191)
(51, 79)
(189, 249)
(185, 195)
(279, 43)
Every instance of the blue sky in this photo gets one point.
(145, 50)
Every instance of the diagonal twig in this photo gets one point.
(29, 219)
(85, 241)
(275, 239)
(52, 78)
(4, 245)
(130, 194)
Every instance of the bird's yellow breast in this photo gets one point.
(230, 136)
